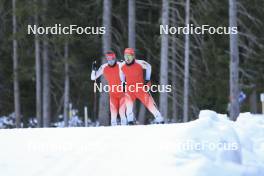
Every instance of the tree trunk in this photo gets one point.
(174, 72)
(15, 69)
(46, 85)
(234, 62)
(253, 101)
(66, 85)
(46, 76)
(131, 24)
(186, 65)
(163, 100)
(132, 38)
(103, 101)
(38, 73)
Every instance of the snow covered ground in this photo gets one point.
(211, 145)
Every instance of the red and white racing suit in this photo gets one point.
(117, 97)
(133, 75)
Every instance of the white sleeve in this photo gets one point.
(121, 74)
(98, 73)
(145, 65)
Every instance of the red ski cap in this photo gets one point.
(110, 55)
(130, 51)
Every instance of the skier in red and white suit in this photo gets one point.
(132, 71)
(110, 70)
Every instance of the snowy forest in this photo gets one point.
(45, 79)
(207, 55)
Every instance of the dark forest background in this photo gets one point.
(209, 54)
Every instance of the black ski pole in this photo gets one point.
(95, 95)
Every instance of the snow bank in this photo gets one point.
(210, 145)
(226, 146)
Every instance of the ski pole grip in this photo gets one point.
(94, 66)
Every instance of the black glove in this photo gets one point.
(94, 66)
(124, 86)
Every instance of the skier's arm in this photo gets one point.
(97, 73)
(145, 65)
(121, 74)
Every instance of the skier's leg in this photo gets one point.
(149, 102)
(113, 109)
(129, 99)
(122, 110)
